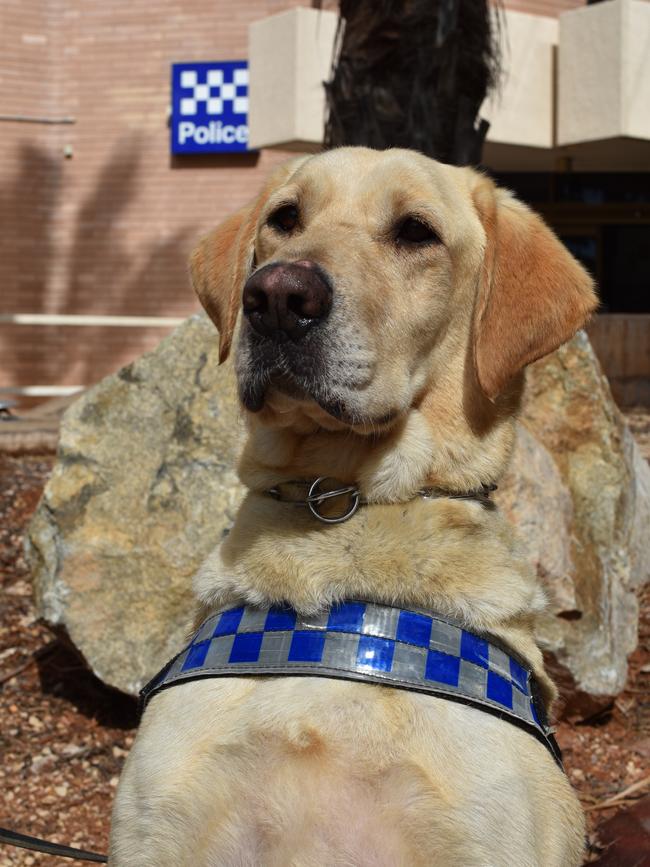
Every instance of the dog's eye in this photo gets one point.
(413, 231)
(285, 219)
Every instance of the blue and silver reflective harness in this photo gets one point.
(403, 648)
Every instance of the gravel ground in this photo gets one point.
(64, 736)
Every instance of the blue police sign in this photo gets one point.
(209, 107)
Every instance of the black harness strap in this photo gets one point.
(35, 844)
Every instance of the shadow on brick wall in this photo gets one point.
(27, 205)
(103, 262)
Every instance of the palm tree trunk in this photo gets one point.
(413, 73)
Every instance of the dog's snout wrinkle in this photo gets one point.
(284, 300)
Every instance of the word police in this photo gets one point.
(209, 107)
(214, 132)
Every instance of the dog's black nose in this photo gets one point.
(284, 300)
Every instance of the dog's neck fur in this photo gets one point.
(451, 556)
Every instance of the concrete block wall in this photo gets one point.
(604, 68)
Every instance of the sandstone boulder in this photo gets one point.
(570, 411)
(144, 487)
(534, 497)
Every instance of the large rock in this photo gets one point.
(534, 497)
(570, 410)
(144, 488)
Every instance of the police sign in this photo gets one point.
(209, 107)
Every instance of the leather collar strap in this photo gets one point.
(403, 648)
(333, 502)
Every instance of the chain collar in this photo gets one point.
(323, 491)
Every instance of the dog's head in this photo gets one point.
(366, 280)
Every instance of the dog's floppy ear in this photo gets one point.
(223, 260)
(217, 266)
(533, 295)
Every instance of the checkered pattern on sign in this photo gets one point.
(363, 641)
(209, 95)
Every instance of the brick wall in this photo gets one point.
(108, 229)
(550, 8)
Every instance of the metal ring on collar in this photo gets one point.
(315, 499)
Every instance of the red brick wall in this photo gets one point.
(29, 42)
(109, 229)
(550, 8)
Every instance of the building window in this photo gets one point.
(604, 220)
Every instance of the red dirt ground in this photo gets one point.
(64, 736)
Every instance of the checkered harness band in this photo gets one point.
(408, 649)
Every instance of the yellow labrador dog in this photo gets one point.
(383, 308)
